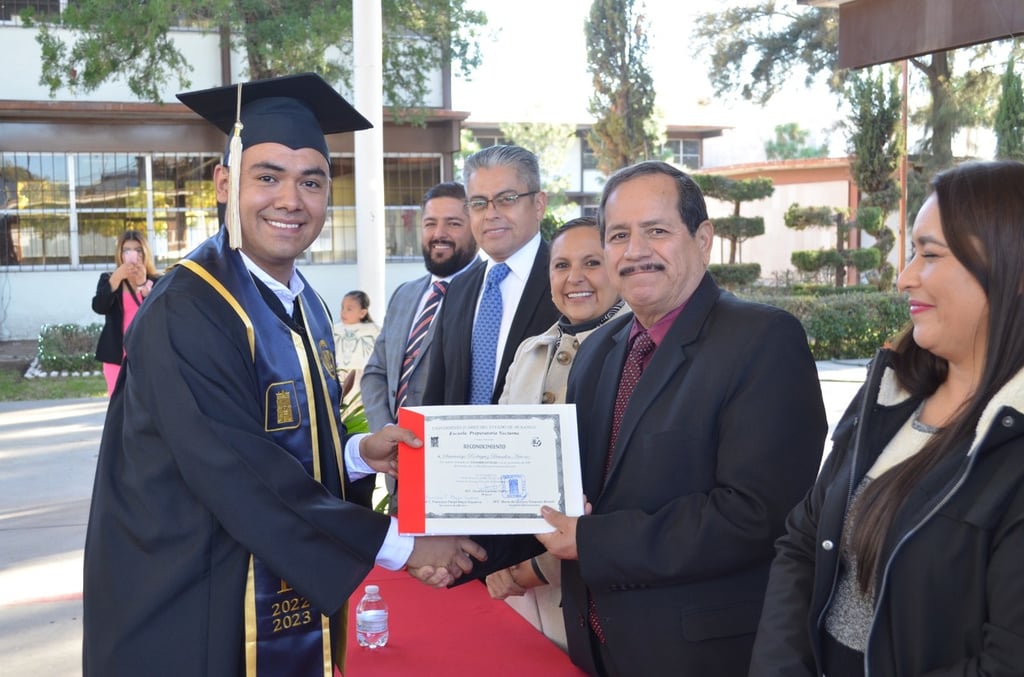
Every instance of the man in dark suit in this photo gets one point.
(400, 354)
(506, 206)
(720, 436)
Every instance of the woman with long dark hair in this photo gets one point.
(906, 556)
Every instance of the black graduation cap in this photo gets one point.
(293, 110)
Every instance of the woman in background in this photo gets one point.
(587, 298)
(118, 297)
(905, 557)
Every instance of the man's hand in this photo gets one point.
(380, 450)
(439, 560)
(562, 541)
(502, 584)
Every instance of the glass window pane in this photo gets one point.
(406, 179)
(337, 241)
(110, 181)
(343, 182)
(11, 9)
(178, 233)
(183, 181)
(43, 239)
(98, 232)
(33, 181)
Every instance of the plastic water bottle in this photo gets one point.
(372, 619)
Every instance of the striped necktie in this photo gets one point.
(415, 343)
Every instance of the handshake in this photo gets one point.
(435, 560)
(439, 560)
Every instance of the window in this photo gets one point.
(588, 159)
(488, 141)
(683, 152)
(12, 9)
(406, 180)
(68, 209)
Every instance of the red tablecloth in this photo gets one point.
(461, 631)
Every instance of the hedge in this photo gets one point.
(69, 347)
(845, 325)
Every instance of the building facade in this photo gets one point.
(78, 169)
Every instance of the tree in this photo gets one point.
(93, 41)
(876, 146)
(1009, 122)
(790, 142)
(735, 229)
(811, 261)
(551, 144)
(623, 102)
(754, 51)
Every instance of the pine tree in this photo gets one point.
(1009, 123)
(623, 100)
(876, 146)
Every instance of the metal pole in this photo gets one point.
(902, 236)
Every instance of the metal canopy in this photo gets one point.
(879, 31)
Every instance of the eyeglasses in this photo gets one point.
(479, 204)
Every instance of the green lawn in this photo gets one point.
(16, 388)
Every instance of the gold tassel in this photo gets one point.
(233, 217)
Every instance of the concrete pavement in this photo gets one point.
(47, 462)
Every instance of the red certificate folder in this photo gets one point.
(411, 487)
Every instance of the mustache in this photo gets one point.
(641, 268)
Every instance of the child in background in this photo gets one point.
(354, 335)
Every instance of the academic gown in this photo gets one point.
(188, 485)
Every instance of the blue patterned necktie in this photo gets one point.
(485, 337)
(415, 343)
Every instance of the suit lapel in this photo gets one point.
(412, 314)
(460, 306)
(535, 291)
(665, 363)
(604, 401)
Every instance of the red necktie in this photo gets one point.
(415, 343)
(642, 346)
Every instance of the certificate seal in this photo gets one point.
(513, 486)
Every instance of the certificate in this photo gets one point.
(488, 469)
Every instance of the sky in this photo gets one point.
(535, 69)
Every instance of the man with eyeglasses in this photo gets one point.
(396, 372)
(491, 308)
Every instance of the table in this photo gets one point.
(457, 631)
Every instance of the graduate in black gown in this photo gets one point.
(220, 539)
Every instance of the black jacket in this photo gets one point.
(721, 438)
(108, 302)
(449, 370)
(950, 598)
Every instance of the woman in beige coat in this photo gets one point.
(587, 298)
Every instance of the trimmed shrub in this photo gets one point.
(848, 325)
(69, 347)
(865, 259)
(733, 275)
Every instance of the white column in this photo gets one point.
(369, 149)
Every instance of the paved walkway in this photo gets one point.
(47, 461)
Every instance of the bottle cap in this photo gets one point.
(372, 589)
